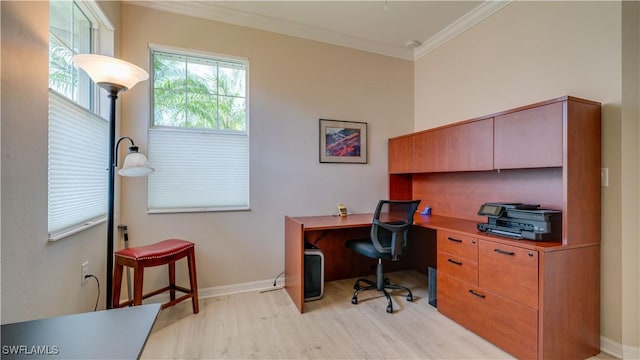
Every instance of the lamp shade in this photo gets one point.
(136, 164)
(106, 70)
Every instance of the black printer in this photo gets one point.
(521, 221)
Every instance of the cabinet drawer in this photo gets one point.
(460, 268)
(458, 245)
(511, 326)
(509, 271)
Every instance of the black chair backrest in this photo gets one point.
(391, 222)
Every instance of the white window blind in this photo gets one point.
(199, 137)
(198, 171)
(78, 160)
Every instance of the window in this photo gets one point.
(198, 139)
(78, 156)
(70, 33)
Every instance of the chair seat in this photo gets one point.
(155, 251)
(365, 247)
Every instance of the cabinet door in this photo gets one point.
(509, 271)
(400, 154)
(430, 151)
(470, 146)
(509, 325)
(529, 138)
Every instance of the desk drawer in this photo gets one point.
(460, 268)
(509, 271)
(458, 245)
(511, 326)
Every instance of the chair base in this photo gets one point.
(381, 284)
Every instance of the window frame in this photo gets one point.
(185, 130)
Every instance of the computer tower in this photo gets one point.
(433, 290)
(313, 274)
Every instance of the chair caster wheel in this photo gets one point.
(410, 298)
(354, 300)
(387, 282)
(390, 309)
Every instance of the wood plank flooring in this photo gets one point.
(268, 326)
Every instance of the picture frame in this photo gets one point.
(343, 141)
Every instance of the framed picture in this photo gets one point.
(343, 142)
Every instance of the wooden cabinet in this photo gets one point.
(478, 289)
(458, 256)
(470, 146)
(530, 138)
(464, 147)
(430, 151)
(497, 265)
(401, 154)
(532, 299)
(511, 326)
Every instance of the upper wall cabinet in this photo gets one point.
(462, 147)
(401, 154)
(470, 146)
(430, 151)
(530, 138)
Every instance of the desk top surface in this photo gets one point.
(435, 222)
(327, 222)
(108, 334)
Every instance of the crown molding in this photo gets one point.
(209, 11)
(461, 25)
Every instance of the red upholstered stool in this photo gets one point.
(165, 252)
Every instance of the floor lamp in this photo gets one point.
(115, 76)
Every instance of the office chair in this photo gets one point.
(389, 229)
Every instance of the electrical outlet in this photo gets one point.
(84, 270)
(604, 177)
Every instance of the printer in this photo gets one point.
(521, 221)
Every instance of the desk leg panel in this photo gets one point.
(294, 260)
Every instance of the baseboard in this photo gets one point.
(619, 350)
(253, 286)
(239, 288)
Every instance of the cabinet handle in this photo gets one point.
(454, 262)
(454, 239)
(510, 253)
(475, 293)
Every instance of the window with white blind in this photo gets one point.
(78, 136)
(78, 158)
(198, 139)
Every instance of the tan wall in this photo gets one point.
(630, 149)
(39, 279)
(533, 51)
(293, 83)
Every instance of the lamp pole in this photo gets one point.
(113, 96)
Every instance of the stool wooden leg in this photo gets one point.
(172, 280)
(117, 285)
(191, 258)
(138, 276)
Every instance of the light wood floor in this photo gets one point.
(268, 326)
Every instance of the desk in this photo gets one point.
(296, 230)
(330, 233)
(109, 334)
(558, 276)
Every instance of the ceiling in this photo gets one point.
(382, 27)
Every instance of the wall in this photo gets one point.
(533, 51)
(293, 83)
(39, 279)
